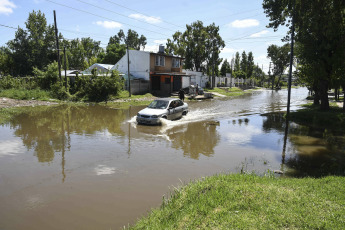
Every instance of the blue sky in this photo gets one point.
(242, 22)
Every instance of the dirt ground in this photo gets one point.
(8, 102)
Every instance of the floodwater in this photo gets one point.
(92, 167)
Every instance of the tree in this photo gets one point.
(199, 45)
(113, 54)
(6, 61)
(237, 66)
(82, 53)
(244, 62)
(280, 58)
(320, 32)
(132, 39)
(225, 68)
(250, 65)
(33, 47)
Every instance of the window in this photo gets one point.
(176, 63)
(160, 61)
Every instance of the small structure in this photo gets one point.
(101, 68)
(162, 71)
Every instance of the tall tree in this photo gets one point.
(280, 58)
(225, 68)
(250, 65)
(132, 39)
(199, 45)
(320, 32)
(237, 66)
(33, 47)
(113, 54)
(244, 62)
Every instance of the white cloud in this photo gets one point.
(109, 24)
(152, 48)
(256, 35)
(151, 19)
(245, 23)
(6, 7)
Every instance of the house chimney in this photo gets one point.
(161, 49)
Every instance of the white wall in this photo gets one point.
(139, 64)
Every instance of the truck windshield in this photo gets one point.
(157, 104)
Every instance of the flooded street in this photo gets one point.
(92, 167)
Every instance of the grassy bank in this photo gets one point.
(312, 116)
(242, 201)
(229, 92)
(26, 94)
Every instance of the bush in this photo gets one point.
(48, 77)
(9, 82)
(97, 88)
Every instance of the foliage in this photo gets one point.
(32, 47)
(199, 45)
(132, 39)
(99, 87)
(81, 53)
(48, 77)
(9, 82)
(226, 68)
(239, 74)
(320, 35)
(280, 58)
(113, 54)
(247, 201)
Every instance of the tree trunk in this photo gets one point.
(323, 87)
(343, 86)
(316, 95)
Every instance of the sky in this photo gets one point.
(242, 23)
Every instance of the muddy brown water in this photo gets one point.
(91, 167)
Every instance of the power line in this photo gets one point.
(87, 12)
(140, 12)
(121, 14)
(8, 26)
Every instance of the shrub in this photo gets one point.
(48, 77)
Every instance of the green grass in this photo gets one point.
(229, 92)
(312, 116)
(26, 94)
(124, 101)
(244, 201)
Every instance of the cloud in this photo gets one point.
(245, 23)
(109, 24)
(6, 7)
(256, 35)
(104, 170)
(151, 19)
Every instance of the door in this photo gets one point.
(155, 82)
(177, 85)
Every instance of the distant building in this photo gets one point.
(101, 68)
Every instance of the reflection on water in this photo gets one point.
(91, 167)
(313, 152)
(48, 129)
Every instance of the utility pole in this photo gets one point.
(57, 45)
(291, 58)
(129, 75)
(64, 53)
(269, 74)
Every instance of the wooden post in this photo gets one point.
(57, 45)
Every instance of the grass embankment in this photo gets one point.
(26, 94)
(244, 201)
(229, 92)
(312, 116)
